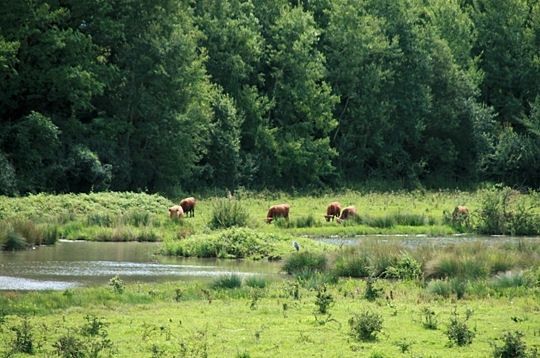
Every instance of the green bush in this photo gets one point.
(227, 282)
(366, 325)
(372, 292)
(458, 331)
(407, 268)
(228, 213)
(305, 262)
(513, 346)
(24, 339)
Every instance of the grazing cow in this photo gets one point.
(188, 204)
(333, 210)
(281, 210)
(347, 213)
(460, 212)
(176, 212)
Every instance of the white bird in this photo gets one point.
(296, 245)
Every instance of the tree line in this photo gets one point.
(165, 95)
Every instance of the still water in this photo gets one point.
(81, 263)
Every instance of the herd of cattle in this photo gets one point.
(333, 211)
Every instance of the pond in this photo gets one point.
(413, 241)
(82, 263)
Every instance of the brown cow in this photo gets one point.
(347, 213)
(188, 204)
(333, 210)
(460, 212)
(176, 212)
(281, 210)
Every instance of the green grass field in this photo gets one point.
(181, 319)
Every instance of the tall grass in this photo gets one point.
(305, 263)
(17, 234)
(227, 213)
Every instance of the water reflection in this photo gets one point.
(69, 264)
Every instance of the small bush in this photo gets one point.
(407, 268)
(372, 292)
(323, 299)
(429, 318)
(70, 346)
(117, 285)
(227, 282)
(24, 340)
(228, 213)
(305, 262)
(458, 332)
(513, 346)
(366, 325)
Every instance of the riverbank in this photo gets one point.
(38, 219)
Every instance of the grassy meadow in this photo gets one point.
(379, 298)
(45, 218)
(259, 318)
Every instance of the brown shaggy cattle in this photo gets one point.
(176, 212)
(333, 210)
(347, 213)
(188, 204)
(281, 210)
(460, 212)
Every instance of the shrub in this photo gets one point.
(69, 346)
(228, 213)
(23, 342)
(372, 292)
(117, 285)
(513, 346)
(227, 282)
(366, 325)
(304, 262)
(407, 268)
(458, 332)
(429, 318)
(323, 299)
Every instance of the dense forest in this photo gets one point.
(171, 95)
